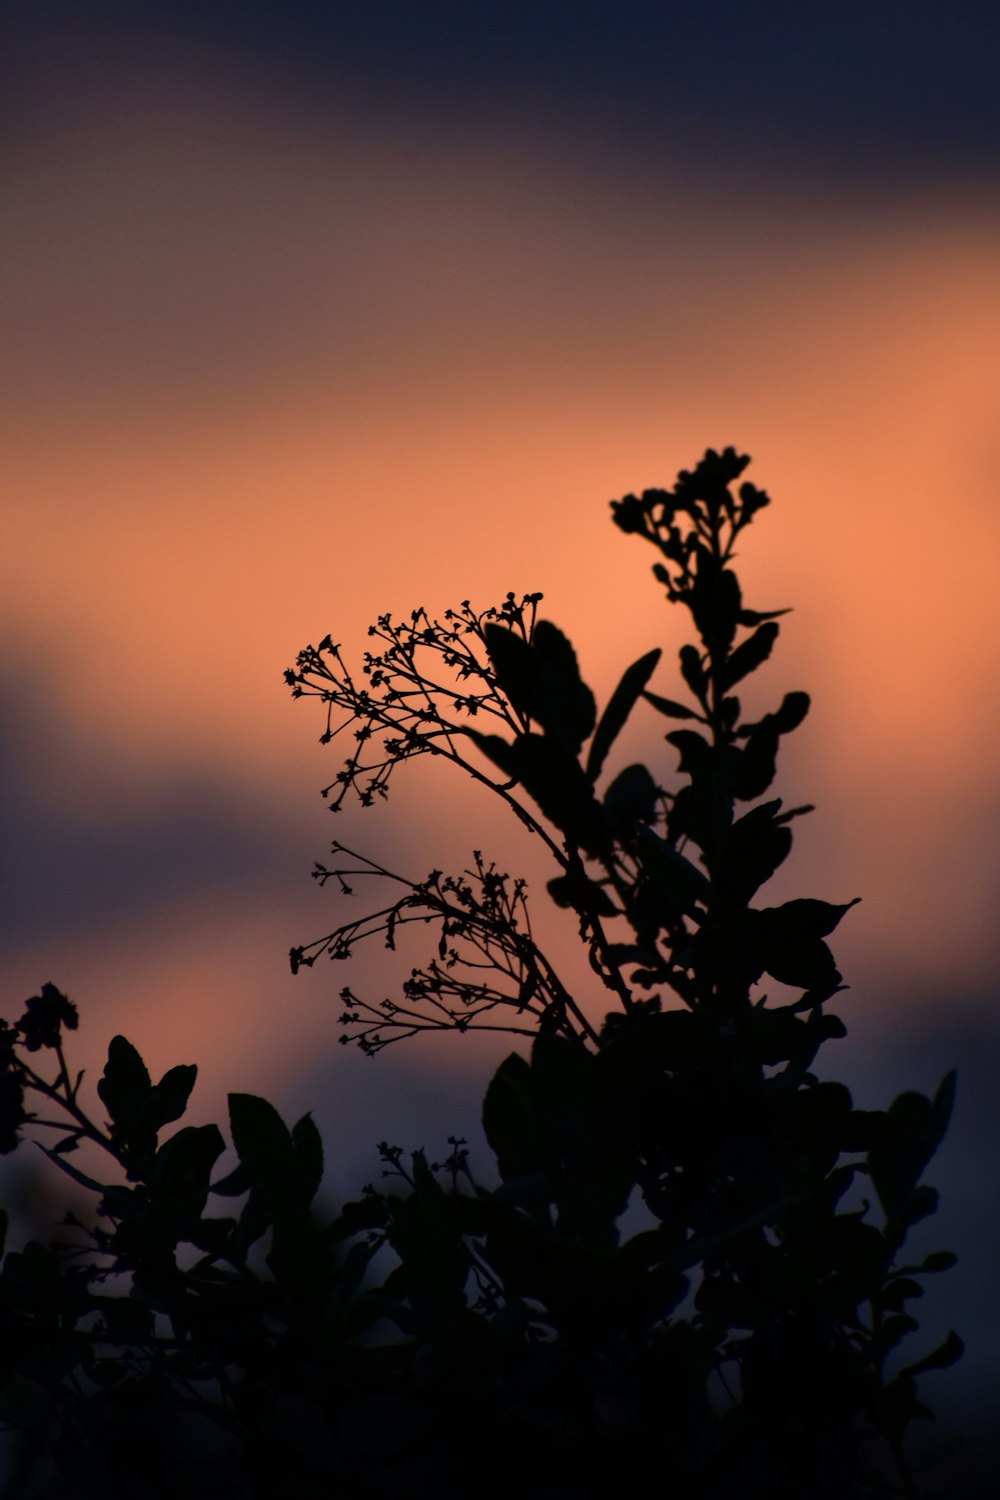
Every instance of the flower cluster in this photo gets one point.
(422, 680)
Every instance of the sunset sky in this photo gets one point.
(311, 312)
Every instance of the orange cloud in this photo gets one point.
(271, 376)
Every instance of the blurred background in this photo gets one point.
(314, 311)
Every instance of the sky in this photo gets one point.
(311, 312)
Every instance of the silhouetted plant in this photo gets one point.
(745, 1342)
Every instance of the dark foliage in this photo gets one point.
(441, 1338)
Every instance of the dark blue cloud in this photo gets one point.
(91, 841)
(847, 90)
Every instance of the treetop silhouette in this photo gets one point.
(470, 1339)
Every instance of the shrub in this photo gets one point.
(511, 1339)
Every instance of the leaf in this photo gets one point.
(71, 1171)
(353, 1268)
(510, 657)
(507, 1119)
(754, 767)
(669, 708)
(68, 1143)
(796, 812)
(560, 701)
(794, 707)
(259, 1133)
(234, 1184)
(805, 918)
(279, 1190)
(791, 942)
(583, 895)
(553, 1120)
(809, 964)
(899, 1291)
(758, 616)
(697, 755)
(916, 1127)
(168, 1100)
(945, 1355)
(367, 1213)
(939, 1260)
(754, 770)
(918, 1204)
(715, 603)
(620, 705)
(555, 780)
(424, 1180)
(682, 884)
(693, 672)
(125, 1083)
(750, 655)
(184, 1164)
(941, 1110)
(630, 799)
(308, 1146)
(542, 681)
(496, 749)
(893, 1330)
(757, 845)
